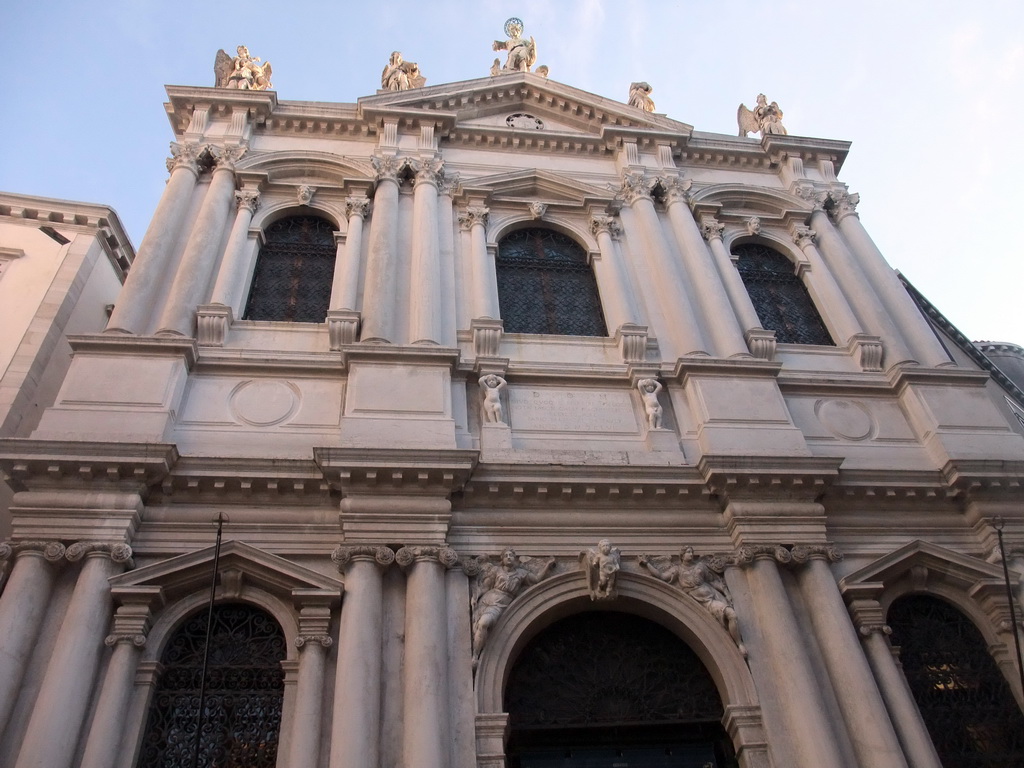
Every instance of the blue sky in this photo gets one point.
(930, 93)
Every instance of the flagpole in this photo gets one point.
(206, 648)
(998, 525)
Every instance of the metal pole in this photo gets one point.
(998, 525)
(206, 648)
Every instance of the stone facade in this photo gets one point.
(413, 490)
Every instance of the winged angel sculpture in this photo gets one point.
(765, 117)
(601, 567)
(522, 53)
(497, 586)
(242, 72)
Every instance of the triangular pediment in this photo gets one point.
(487, 103)
(529, 184)
(239, 563)
(926, 563)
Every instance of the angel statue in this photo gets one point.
(601, 566)
(766, 118)
(401, 75)
(243, 72)
(495, 589)
(640, 96)
(696, 578)
(522, 54)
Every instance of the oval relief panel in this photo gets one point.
(846, 419)
(264, 402)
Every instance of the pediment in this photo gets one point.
(305, 166)
(239, 563)
(529, 184)
(486, 103)
(925, 563)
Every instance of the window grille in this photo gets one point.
(546, 285)
(244, 691)
(294, 272)
(964, 699)
(779, 297)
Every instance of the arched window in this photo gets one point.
(294, 271)
(244, 691)
(545, 285)
(780, 298)
(965, 701)
(605, 688)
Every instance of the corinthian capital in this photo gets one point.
(186, 156)
(248, 199)
(428, 171)
(226, 157)
(634, 187)
(840, 204)
(388, 166)
(474, 214)
(357, 205)
(711, 228)
(600, 223)
(676, 189)
(804, 236)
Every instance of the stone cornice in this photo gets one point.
(250, 480)
(797, 478)
(183, 101)
(38, 464)
(123, 343)
(808, 150)
(418, 472)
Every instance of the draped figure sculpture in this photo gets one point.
(242, 72)
(640, 96)
(401, 75)
(522, 53)
(765, 117)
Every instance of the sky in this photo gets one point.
(930, 93)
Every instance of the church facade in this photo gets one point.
(542, 429)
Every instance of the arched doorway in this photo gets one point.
(606, 689)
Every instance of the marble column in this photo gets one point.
(127, 638)
(345, 288)
(485, 279)
(864, 713)
(425, 273)
(313, 643)
(899, 701)
(860, 294)
(23, 604)
(679, 334)
(612, 279)
(231, 277)
(712, 231)
(67, 687)
(145, 281)
(882, 278)
(199, 259)
(427, 737)
(710, 295)
(355, 728)
(824, 290)
(810, 732)
(447, 310)
(380, 286)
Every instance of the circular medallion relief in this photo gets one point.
(263, 402)
(845, 419)
(524, 121)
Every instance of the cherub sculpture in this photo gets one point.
(700, 581)
(496, 587)
(522, 54)
(242, 72)
(649, 389)
(401, 75)
(491, 386)
(765, 117)
(640, 96)
(601, 566)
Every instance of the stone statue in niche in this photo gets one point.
(601, 566)
(242, 72)
(765, 117)
(649, 389)
(522, 53)
(699, 580)
(640, 96)
(496, 587)
(401, 75)
(491, 386)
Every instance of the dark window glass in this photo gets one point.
(965, 701)
(607, 689)
(244, 690)
(780, 298)
(545, 285)
(294, 272)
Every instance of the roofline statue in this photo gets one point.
(764, 118)
(242, 72)
(522, 53)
